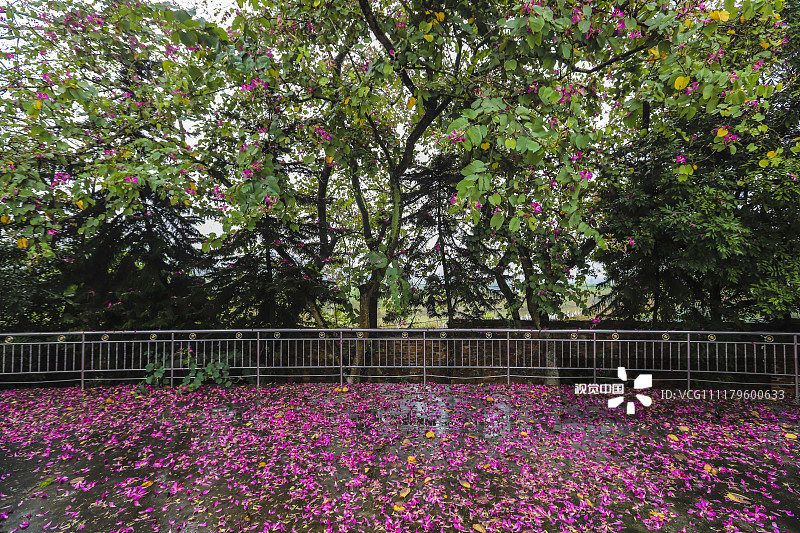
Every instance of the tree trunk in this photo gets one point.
(367, 303)
(315, 312)
(551, 372)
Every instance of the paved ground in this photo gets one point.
(392, 458)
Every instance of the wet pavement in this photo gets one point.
(392, 458)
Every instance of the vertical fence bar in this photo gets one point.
(425, 353)
(341, 357)
(796, 373)
(258, 359)
(508, 358)
(83, 357)
(172, 361)
(594, 357)
(688, 361)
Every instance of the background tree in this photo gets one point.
(712, 244)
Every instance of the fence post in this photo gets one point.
(508, 358)
(341, 356)
(425, 353)
(83, 357)
(172, 360)
(796, 373)
(594, 357)
(688, 361)
(258, 359)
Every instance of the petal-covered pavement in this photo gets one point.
(393, 458)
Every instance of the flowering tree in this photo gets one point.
(93, 107)
(714, 244)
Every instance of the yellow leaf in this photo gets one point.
(37, 104)
(147, 483)
(428, 37)
(5, 219)
(764, 44)
(755, 414)
(412, 460)
(523, 433)
(440, 17)
(347, 100)
(714, 15)
(262, 464)
(411, 102)
(79, 203)
(317, 3)
(329, 160)
(724, 16)
(465, 484)
(405, 492)
(399, 508)
(722, 132)
(489, 399)
(771, 154)
(479, 528)
(681, 82)
(427, 480)
(684, 428)
(430, 434)
(791, 436)
(22, 243)
(485, 146)
(672, 437)
(738, 498)
(731, 32)
(689, 23)
(471, 20)
(187, 202)
(710, 469)
(186, 101)
(109, 400)
(345, 389)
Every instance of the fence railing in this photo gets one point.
(675, 358)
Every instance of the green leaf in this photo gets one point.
(497, 220)
(514, 224)
(511, 65)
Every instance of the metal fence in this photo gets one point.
(675, 358)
